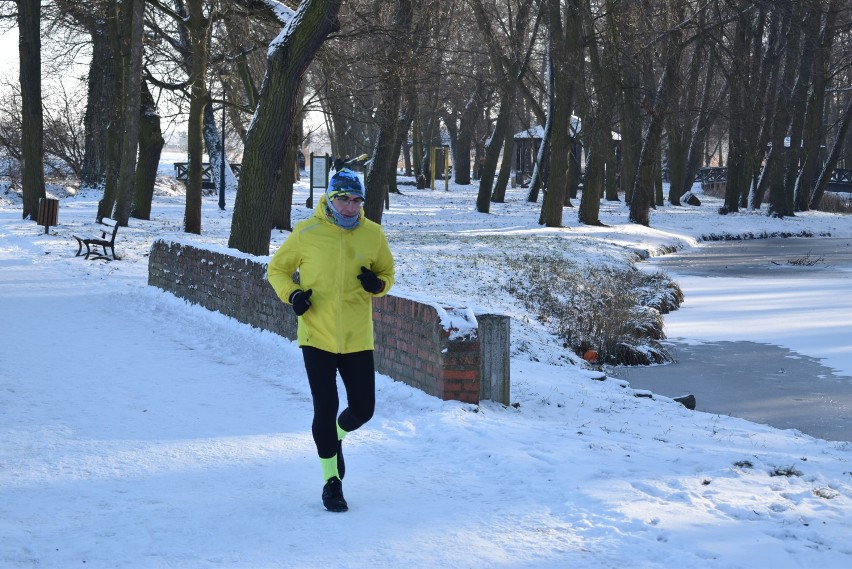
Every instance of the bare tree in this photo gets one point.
(151, 144)
(115, 129)
(753, 51)
(32, 117)
(564, 54)
(622, 18)
(672, 46)
(773, 172)
(382, 171)
(814, 120)
(101, 83)
(597, 101)
(831, 162)
(688, 125)
(270, 132)
(132, 24)
(510, 56)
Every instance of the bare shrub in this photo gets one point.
(608, 309)
(715, 190)
(788, 471)
(836, 203)
(808, 260)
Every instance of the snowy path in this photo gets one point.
(186, 443)
(183, 440)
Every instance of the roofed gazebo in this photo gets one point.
(528, 143)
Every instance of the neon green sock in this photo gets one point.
(340, 432)
(329, 468)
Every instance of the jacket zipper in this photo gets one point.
(340, 294)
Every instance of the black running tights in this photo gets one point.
(358, 373)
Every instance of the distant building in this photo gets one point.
(528, 143)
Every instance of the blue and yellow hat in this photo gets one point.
(345, 182)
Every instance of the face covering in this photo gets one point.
(339, 219)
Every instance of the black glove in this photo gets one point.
(370, 281)
(300, 302)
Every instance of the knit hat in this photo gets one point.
(345, 182)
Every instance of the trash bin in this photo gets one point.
(48, 212)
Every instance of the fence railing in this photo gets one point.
(839, 181)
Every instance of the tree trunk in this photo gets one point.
(511, 62)
(814, 128)
(464, 140)
(574, 158)
(151, 144)
(590, 202)
(594, 134)
(115, 130)
(679, 126)
(381, 175)
(100, 87)
(382, 168)
(619, 17)
(101, 98)
(32, 124)
(779, 204)
(658, 177)
(601, 156)
(560, 142)
(749, 84)
(499, 194)
(813, 135)
(431, 130)
(631, 130)
(707, 112)
(213, 141)
(198, 30)
(273, 121)
(282, 207)
(493, 147)
(132, 21)
(538, 180)
(403, 126)
(833, 157)
(737, 180)
(564, 51)
(798, 105)
(539, 173)
(645, 185)
(758, 122)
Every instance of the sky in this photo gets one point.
(9, 51)
(139, 431)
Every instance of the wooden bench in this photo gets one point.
(103, 236)
(207, 176)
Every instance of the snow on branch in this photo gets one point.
(280, 11)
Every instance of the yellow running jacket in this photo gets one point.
(328, 260)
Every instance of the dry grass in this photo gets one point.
(836, 203)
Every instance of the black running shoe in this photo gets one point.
(332, 496)
(341, 465)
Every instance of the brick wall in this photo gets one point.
(443, 350)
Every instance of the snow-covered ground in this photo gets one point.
(139, 431)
